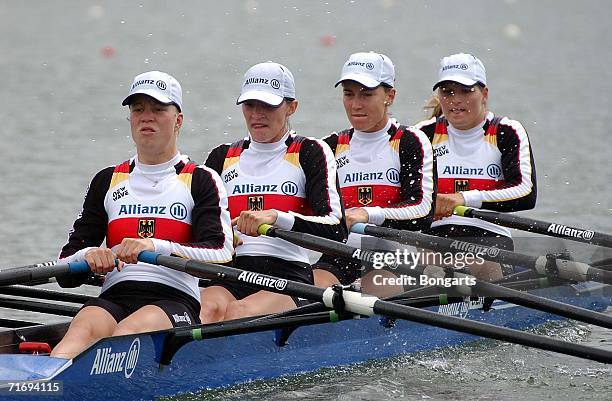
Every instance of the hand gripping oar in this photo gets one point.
(20, 275)
(366, 305)
(480, 288)
(544, 265)
(537, 226)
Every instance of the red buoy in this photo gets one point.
(108, 51)
(328, 40)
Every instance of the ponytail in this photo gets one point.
(433, 107)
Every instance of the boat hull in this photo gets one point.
(127, 367)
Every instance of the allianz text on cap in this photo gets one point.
(463, 68)
(159, 85)
(369, 69)
(268, 82)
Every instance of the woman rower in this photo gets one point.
(272, 177)
(483, 160)
(386, 170)
(156, 201)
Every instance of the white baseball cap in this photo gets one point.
(369, 69)
(463, 68)
(268, 82)
(159, 85)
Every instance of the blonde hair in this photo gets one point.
(432, 106)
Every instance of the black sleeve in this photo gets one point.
(322, 193)
(206, 214)
(519, 191)
(428, 128)
(216, 158)
(418, 179)
(332, 142)
(89, 229)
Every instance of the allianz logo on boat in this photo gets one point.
(107, 361)
(461, 309)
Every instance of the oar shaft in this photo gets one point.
(480, 289)
(565, 269)
(41, 264)
(544, 304)
(28, 273)
(43, 293)
(487, 330)
(537, 226)
(35, 306)
(366, 305)
(324, 245)
(212, 271)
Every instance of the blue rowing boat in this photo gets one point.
(128, 367)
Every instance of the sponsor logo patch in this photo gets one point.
(184, 318)
(494, 171)
(178, 211)
(143, 82)
(289, 188)
(251, 81)
(160, 84)
(250, 188)
(474, 248)
(120, 193)
(278, 284)
(560, 229)
(442, 150)
(342, 161)
(461, 66)
(393, 175)
(361, 176)
(461, 170)
(141, 209)
(106, 361)
(230, 176)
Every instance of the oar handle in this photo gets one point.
(79, 267)
(148, 257)
(265, 229)
(358, 228)
(462, 211)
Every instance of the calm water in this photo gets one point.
(66, 66)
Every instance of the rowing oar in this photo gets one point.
(43, 293)
(36, 306)
(544, 265)
(41, 264)
(479, 288)
(537, 226)
(25, 274)
(367, 305)
(284, 322)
